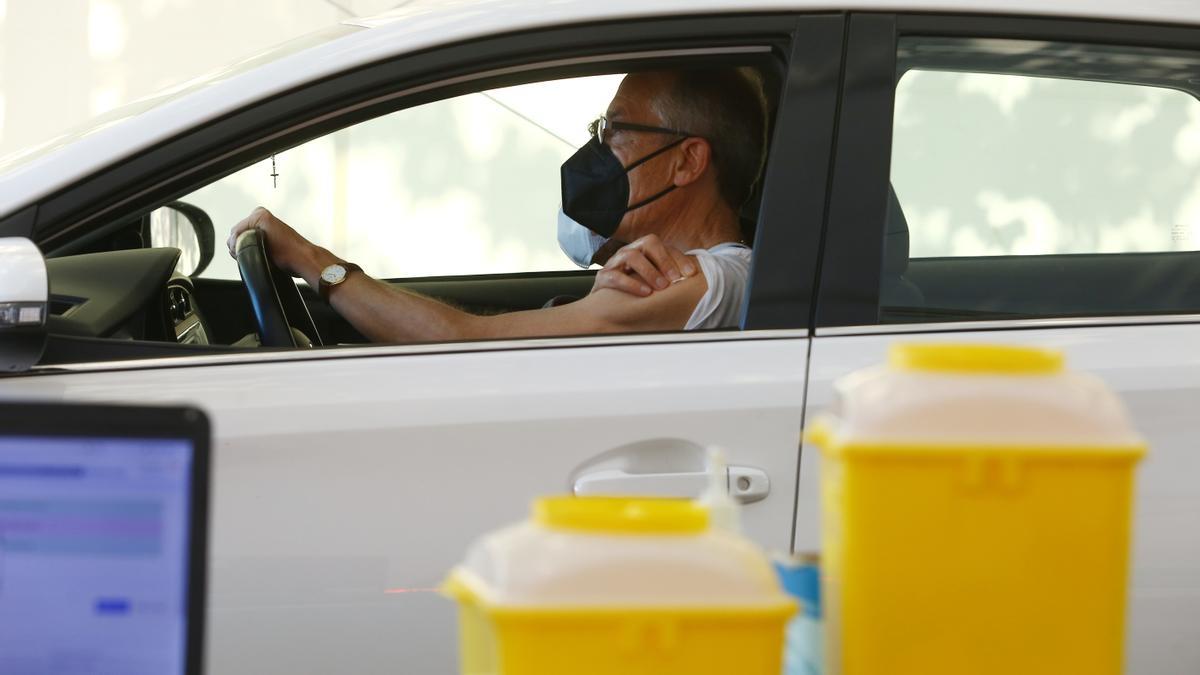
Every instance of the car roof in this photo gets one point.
(33, 174)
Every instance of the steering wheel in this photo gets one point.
(273, 295)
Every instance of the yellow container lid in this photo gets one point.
(621, 515)
(979, 359)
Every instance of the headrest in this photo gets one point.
(895, 238)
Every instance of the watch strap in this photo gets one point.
(324, 286)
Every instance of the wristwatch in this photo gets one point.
(333, 275)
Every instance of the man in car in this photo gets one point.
(668, 169)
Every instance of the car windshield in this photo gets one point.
(135, 108)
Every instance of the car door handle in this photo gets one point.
(746, 484)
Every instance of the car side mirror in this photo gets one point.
(24, 303)
(185, 227)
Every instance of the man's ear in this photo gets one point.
(694, 158)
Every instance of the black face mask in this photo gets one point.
(595, 186)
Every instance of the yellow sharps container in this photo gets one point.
(975, 515)
(612, 585)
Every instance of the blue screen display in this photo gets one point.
(94, 554)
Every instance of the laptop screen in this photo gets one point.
(95, 553)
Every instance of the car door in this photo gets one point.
(1041, 189)
(348, 480)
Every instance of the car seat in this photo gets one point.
(894, 289)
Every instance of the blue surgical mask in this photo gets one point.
(578, 242)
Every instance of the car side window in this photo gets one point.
(1035, 179)
(465, 185)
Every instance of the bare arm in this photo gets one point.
(386, 314)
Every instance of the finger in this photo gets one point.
(622, 282)
(632, 262)
(607, 250)
(660, 255)
(684, 261)
(640, 265)
(615, 264)
(231, 242)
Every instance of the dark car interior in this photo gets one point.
(132, 304)
(926, 290)
(115, 299)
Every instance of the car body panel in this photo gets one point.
(1155, 370)
(344, 489)
(23, 274)
(32, 175)
(1150, 360)
(349, 479)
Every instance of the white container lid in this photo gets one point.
(978, 395)
(618, 552)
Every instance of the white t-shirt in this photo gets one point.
(726, 268)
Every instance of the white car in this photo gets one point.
(1004, 171)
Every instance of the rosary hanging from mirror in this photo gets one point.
(274, 173)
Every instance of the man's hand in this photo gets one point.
(644, 266)
(617, 304)
(291, 252)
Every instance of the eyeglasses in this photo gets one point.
(603, 128)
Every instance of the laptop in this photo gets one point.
(103, 523)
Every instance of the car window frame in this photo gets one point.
(782, 277)
(852, 254)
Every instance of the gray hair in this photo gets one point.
(726, 107)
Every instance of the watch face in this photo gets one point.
(333, 274)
